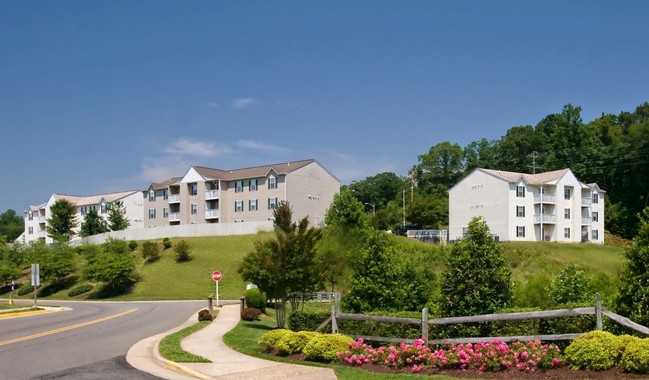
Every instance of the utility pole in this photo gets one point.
(534, 155)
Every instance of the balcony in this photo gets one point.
(42, 234)
(174, 217)
(586, 220)
(545, 218)
(211, 194)
(42, 219)
(174, 198)
(543, 198)
(212, 213)
(586, 202)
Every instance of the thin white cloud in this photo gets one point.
(241, 103)
(212, 105)
(260, 146)
(190, 147)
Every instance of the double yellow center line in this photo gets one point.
(66, 328)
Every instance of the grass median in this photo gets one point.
(171, 349)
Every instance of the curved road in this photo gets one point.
(88, 342)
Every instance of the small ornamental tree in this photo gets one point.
(113, 266)
(57, 263)
(572, 285)
(476, 279)
(93, 224)
(117, 219)
(183, 251)
(633, 299)
(61, 225)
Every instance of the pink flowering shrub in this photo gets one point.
(485, 357)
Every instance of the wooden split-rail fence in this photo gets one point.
(425, 322)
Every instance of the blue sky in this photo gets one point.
(102, 96)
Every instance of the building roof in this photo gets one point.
(94, 199)
(165, 184)
(252, 172)
(532, 179)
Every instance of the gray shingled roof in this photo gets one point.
(252, 172)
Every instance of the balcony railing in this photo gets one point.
(586, 201)
(212, 213)
(174, 198)
(545, 198)
(42, 234)
(586, 220)
(42, 219)
(174, 216)
(545, 218)
(211, 194)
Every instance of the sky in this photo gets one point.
(104, 96)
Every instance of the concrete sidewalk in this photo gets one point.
(226, 363)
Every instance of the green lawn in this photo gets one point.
(170, 348)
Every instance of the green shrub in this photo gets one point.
(384, 329)
(25, 289)
(323, 348)
(270, 339)
(569, 325)
(250, 314)
(294, 343)
(166, 243)
(307, 320)
(636, 356)
(85, 288)
(595, 350)
(255, 298)
(183, 251)
(132, 245)
(516, 328)
(150, 251)
(205, 315)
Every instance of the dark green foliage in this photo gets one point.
(533, 293)
(132, 245)
(346, 211)
(633, 300)
(57, 263)
(61, 225)
(256, 299)
(25, 289)
(116, 246)
(387, 330)
(183, 251)
(11, 225)
(93, 224)
(205, 315)
(117, 219)
(8, 272)
(250, 314)
(307, 320)
(476, 279)
(566, 325)
(572, 285)
(166, 243)
(77, 290)
(57, 286)
(150, 251)
(114, 266)
(442, 165)
(516, 328)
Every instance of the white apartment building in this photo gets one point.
(36, 216)
(206, 195)
(552, 206)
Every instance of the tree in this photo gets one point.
(117, 219)
(480, 154)
(378, 190)
(428, 211)
(443, 165)
(93, 224)
(61, 225)
(633, 299)
(476, 279)
(346, 211)
(513, 150)
(572, 285)
(11, 225)
(112, 265)
(287, 266)
(57, 263)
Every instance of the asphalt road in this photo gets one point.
(88, 342)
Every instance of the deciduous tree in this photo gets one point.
(117, 219)
(11, 225)
(93, 224)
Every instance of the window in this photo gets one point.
(31, 215)
(165, 212)
(520, 211)
(272, 203)
(520, 231)
(193, 189)
(566, 213)
(194, 208)
(595, 198)
(566, 233)
(151, 213)
(595, 235)
(151, 195)
(595, 216)
(31, 230)
(252, 185)
(84, 210)
(165, 194)
(103, 208)
(252, 205)
(520, 191)
(272, 183)
(567, 193)
(238, 186)
(238, 206)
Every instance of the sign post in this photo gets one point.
(217, 276)
(36, 280)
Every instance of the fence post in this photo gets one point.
(424, 324)
(334, 324)
(598, 312)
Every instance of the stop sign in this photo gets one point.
(216, 276)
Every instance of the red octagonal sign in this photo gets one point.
(217, 276)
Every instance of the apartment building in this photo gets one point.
(552, 206)
(36, 216)
(207, 195)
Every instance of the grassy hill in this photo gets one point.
(168, 280)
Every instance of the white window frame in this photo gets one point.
(165, 194)
(252, 205)
(272, 203)
(31, 230)
(520, 211)
(595, 234)
(520, 231)
(595, 216)
(520, 191)
(252, 185)
(595, 198)
(238, 206)
(193, 189)
(566, 213)
(165, 212)
(238, 186)
(566, 232)
(151, 213)
(151, 195)
(194, 208)
(272, 182)
(567, 193)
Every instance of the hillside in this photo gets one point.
(167, 280)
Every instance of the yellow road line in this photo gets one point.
(66, 328)
(23, 314)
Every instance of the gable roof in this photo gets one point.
(94, 199)
(164, 184)
(251, 172)
(532, 179)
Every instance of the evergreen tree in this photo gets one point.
(117, 219)
(93, 224)
(61, 225)
(11, 225)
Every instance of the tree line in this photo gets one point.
(610, 150)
